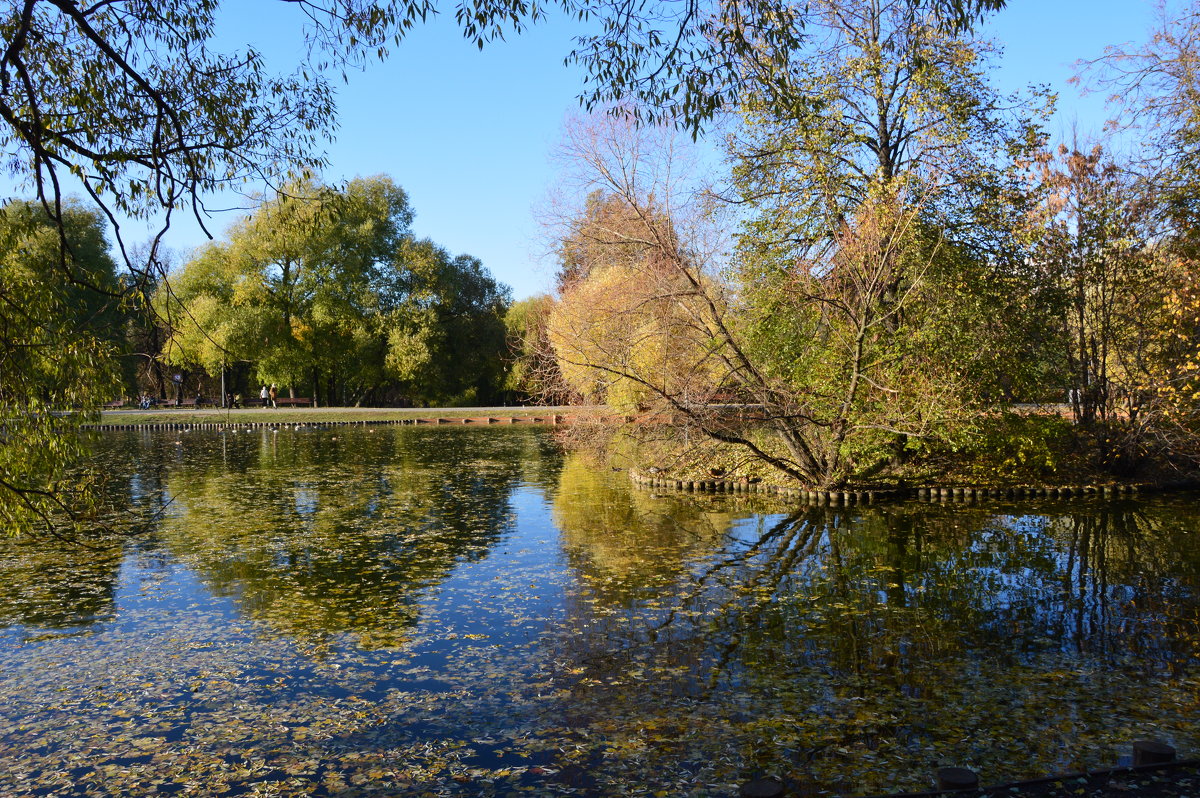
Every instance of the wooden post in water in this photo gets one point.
(770, 787)
(956, 779)
(1152, 752)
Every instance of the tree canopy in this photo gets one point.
(131, 99)
(326, 290)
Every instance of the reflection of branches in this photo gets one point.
(751, 578)
(792, 523)
(1105, 573)
(765, 586)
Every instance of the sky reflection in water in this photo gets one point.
(466, 611)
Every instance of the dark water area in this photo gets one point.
(411, 611)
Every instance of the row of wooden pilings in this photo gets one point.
(748, 486)
(851, 497)
(553, 420)
(1145, 754)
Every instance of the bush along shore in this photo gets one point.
(1010, 458)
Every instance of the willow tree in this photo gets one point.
(58, 346)
(642, 321)
(293, 286)
(326, 290)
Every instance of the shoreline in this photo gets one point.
(929, 494)
(224, 419)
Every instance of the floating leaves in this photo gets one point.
(457, 612)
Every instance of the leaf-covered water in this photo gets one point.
(444, 611)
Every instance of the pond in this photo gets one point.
(446, 611)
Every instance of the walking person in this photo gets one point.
(273, 393)
(265, 395)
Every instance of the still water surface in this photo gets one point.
(410, 611)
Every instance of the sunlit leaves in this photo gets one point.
(870, 264)
(57, 358)
(687, 62)
(324, 290)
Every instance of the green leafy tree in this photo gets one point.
(59, 329)
(882, 99)
(443, 318)
(533, 373)
(883, 265)
(684, 63)
(326, 289)
(294, 286)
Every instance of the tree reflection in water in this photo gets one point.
(845, 646)
(433, 609)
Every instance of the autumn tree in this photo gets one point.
(638, 282)
(1174, 377)
(625, 327)
(657, 328)
(1155, 88)
(881, 269)
(1098, 246)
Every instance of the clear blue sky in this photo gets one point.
(468, 134)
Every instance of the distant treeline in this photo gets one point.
(323, 292)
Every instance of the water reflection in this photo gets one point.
(470, 611)
(54, 584)
(631, 544)
(326, 533)
(885, 636)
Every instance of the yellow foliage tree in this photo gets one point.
(633, 330)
